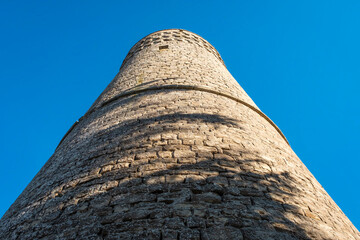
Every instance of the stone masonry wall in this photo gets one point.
(173, 57)
(156, 159)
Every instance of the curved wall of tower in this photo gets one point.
(174, 148)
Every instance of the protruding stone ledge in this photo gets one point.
(177, 87)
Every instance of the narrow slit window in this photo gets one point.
(163, 47)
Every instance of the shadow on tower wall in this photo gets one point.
(134, 184)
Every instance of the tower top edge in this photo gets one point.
(145, 41)
(172, 29)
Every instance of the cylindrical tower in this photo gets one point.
(174, 149)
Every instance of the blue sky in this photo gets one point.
(298, 60)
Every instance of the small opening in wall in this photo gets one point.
(163, 47)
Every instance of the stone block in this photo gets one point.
(184, 154)
(207, 197)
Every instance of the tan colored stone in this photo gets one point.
(146, 155)
(175, 178)
(184, 154)
(165, 154)
(174, 148)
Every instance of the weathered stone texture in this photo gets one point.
(174, 149)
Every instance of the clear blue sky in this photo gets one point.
(298, 60)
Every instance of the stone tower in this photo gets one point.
(174, 149)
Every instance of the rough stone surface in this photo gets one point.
(174, 149)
